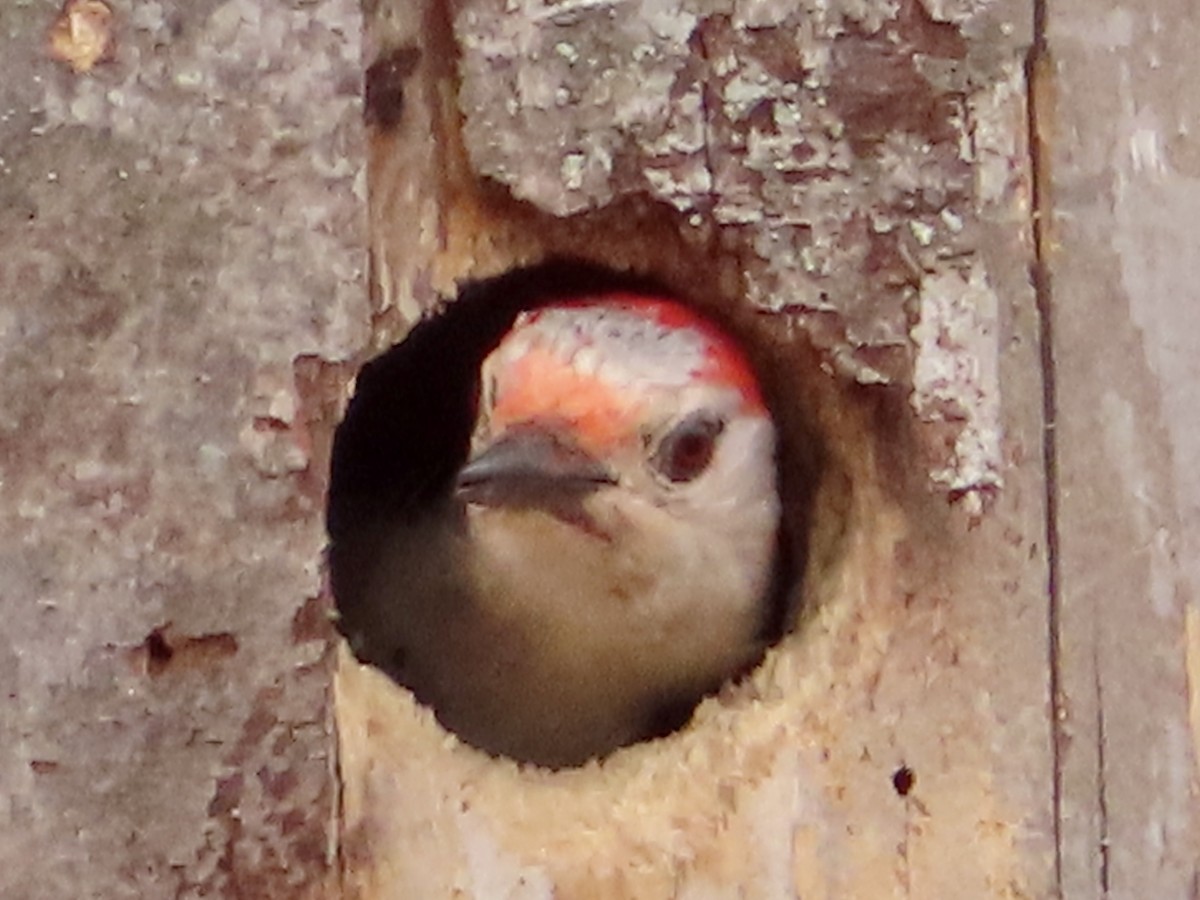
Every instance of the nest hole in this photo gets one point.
(407, 432)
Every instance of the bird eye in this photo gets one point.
(688, 449)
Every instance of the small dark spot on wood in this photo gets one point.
(903, 780)
(311, 621)
(384, 95)
(43, 766)
(270, 424)
(161, 651)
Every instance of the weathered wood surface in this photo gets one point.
(178, 227)
(1121, 188)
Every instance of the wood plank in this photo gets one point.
(1122, 188)
(180, 245)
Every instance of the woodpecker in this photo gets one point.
(606, 555)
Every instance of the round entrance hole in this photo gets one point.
(559, 513)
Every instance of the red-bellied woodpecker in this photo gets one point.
(604, 557)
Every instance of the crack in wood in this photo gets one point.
(1101, 771)
(706, 111)
(1038, 73)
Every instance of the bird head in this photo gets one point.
(638, 425)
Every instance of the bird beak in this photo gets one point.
(528, 464)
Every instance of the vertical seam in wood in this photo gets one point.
(707, 107)
(336, 851)
(1101, 772)
(1037, 72)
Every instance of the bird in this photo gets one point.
(608, 552)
